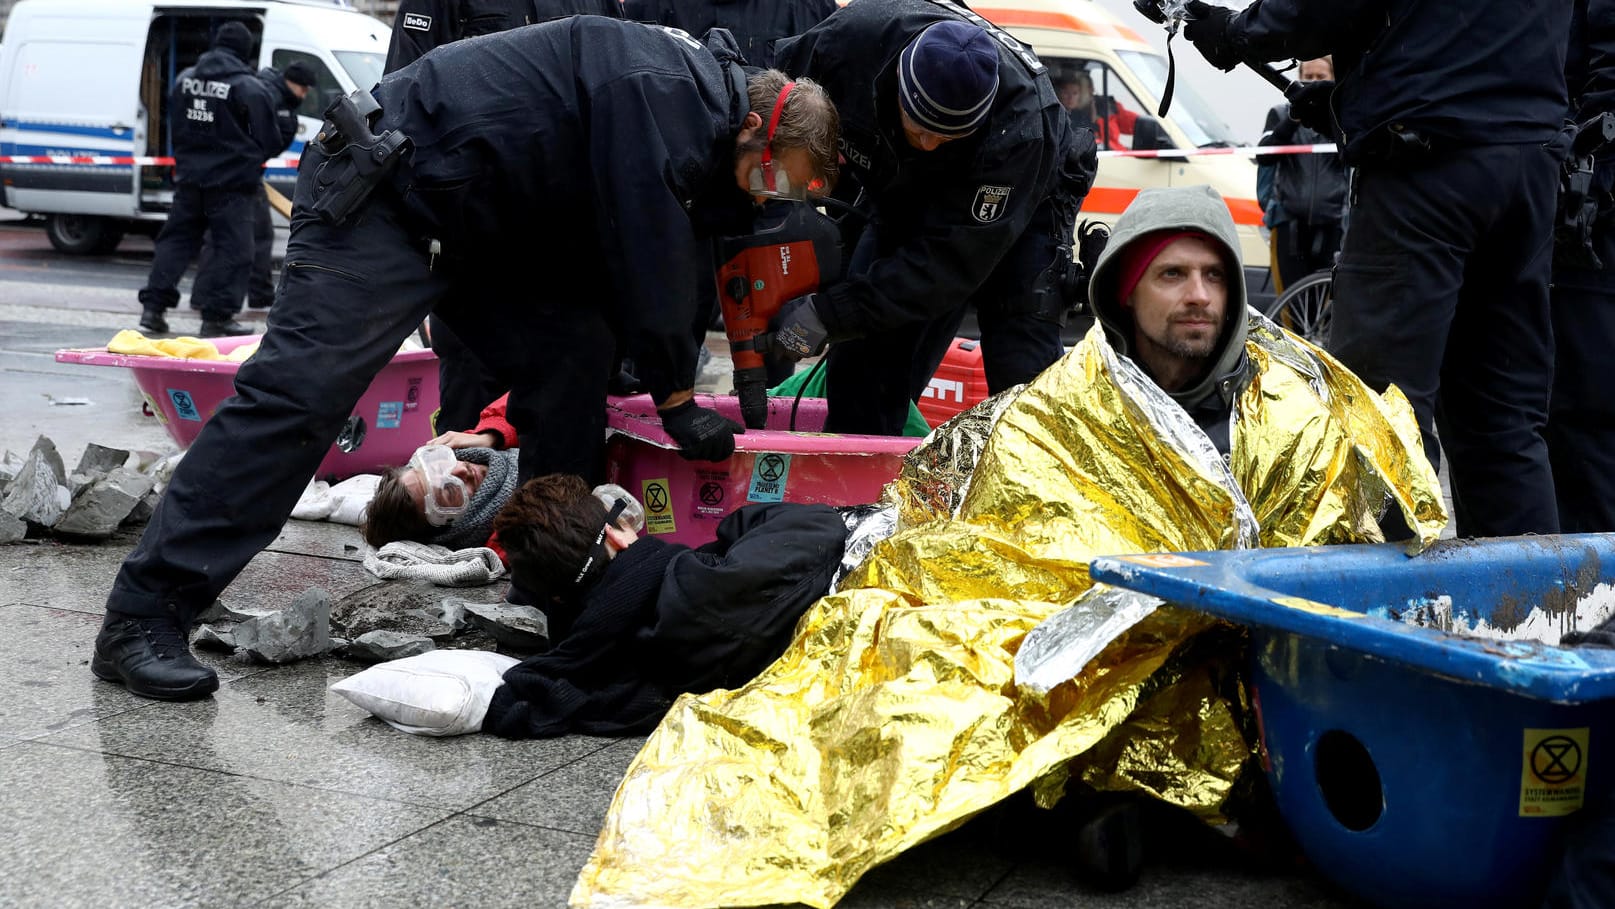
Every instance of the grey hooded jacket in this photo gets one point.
(1210, 400)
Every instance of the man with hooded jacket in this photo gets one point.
(954, 133)
(640, 136)
(224, 128)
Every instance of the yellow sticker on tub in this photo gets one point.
(151, 404)
(658, 507)
(1554, 779)
(1163, 560)
(1316, 608)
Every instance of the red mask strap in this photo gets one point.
(773, 123)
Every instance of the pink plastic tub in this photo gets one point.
(685, 500)
(392, 419)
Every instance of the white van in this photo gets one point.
(92, 77)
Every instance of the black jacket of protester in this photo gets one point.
(420, 25)
(953, 211)
(756, 24)
(665, 619)
(607, 137)
(1310, 188)
(222, 117)
(1480, 72)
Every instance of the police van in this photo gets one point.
(1115, 79)
(92, 77)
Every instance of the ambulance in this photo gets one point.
(1082, 43)
(91, 77)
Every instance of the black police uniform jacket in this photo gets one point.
(222, 117)
(956, 210)
(1477, 72)
(587, 145)
(665, 619)
(420, 25)
(756, 24)
(286, 105)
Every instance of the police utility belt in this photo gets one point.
(356, 159)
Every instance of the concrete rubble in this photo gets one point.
(520, 629)
(297, 631)
(109, 489)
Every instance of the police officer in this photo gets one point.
(974, 175)
(756, 24)
(1581, 417)
(545, 185)
(289, 88)
(465, 385)
(1452, 115)
(224, 128)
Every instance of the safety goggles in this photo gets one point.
(610, 494)
(444, 495)
(772, 181)
(597, 551)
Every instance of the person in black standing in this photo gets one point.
(974, 176)
(1453, 116)
(289, 89)
(1308, 192)
(1581, 417)
(222, 118)
(430, 193)
(465, 385)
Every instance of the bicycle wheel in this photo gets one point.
(1303, 308)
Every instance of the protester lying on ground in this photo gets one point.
(648, 142)
(898, 710)
(634, 620)
(443, 496)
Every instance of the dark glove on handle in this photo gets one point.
(1309, 105)
(798, 331)
(1207, 28)
(702, 434)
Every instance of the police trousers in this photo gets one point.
(348, 297)
(225, 218)
(1581, 417)
(870, 381)
(1442, 291)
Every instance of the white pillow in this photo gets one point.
(440, 692)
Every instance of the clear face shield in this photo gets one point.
(770, 180)
(443, 495)
(633, 513)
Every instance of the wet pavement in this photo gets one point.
(276, 792)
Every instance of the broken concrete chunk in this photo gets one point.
(299, 630)
(412, 607)
(221, 611)
(37, 494)
(99, 460)
(214, 637)
(46, 449)
(101, 506)
(522, 629)
(143, 509)
(10, 465)
(380, 646)
(12, 529)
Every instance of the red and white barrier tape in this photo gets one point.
(122, 160)
(1249, 151)
(1246, 151)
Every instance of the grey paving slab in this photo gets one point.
(273, 579)
(480, 862)
(1038, 885)
(74, 576)
(85, 829)
(45, 673)
(283, 725)
(573, 798)
(323, 539)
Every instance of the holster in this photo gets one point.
(1578, 205)
(1395, 146)
(356, 159)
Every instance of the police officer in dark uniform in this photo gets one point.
(953, 130)
(1581, 417)
(571, 159)
(223, 123)
(465, 385)
(756, 24)
(1453, 116)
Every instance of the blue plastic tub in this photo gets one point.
(1416, 767)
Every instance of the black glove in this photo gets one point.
(1309, 105)
(797, 333)
(1207, 28)
(702, 434)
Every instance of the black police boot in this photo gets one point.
(223, 328)
(151, 319)
(1110, 846)
(150, 657)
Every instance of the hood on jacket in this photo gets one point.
(1179, 208)
(217, 63)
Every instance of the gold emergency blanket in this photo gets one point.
(895, 715)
